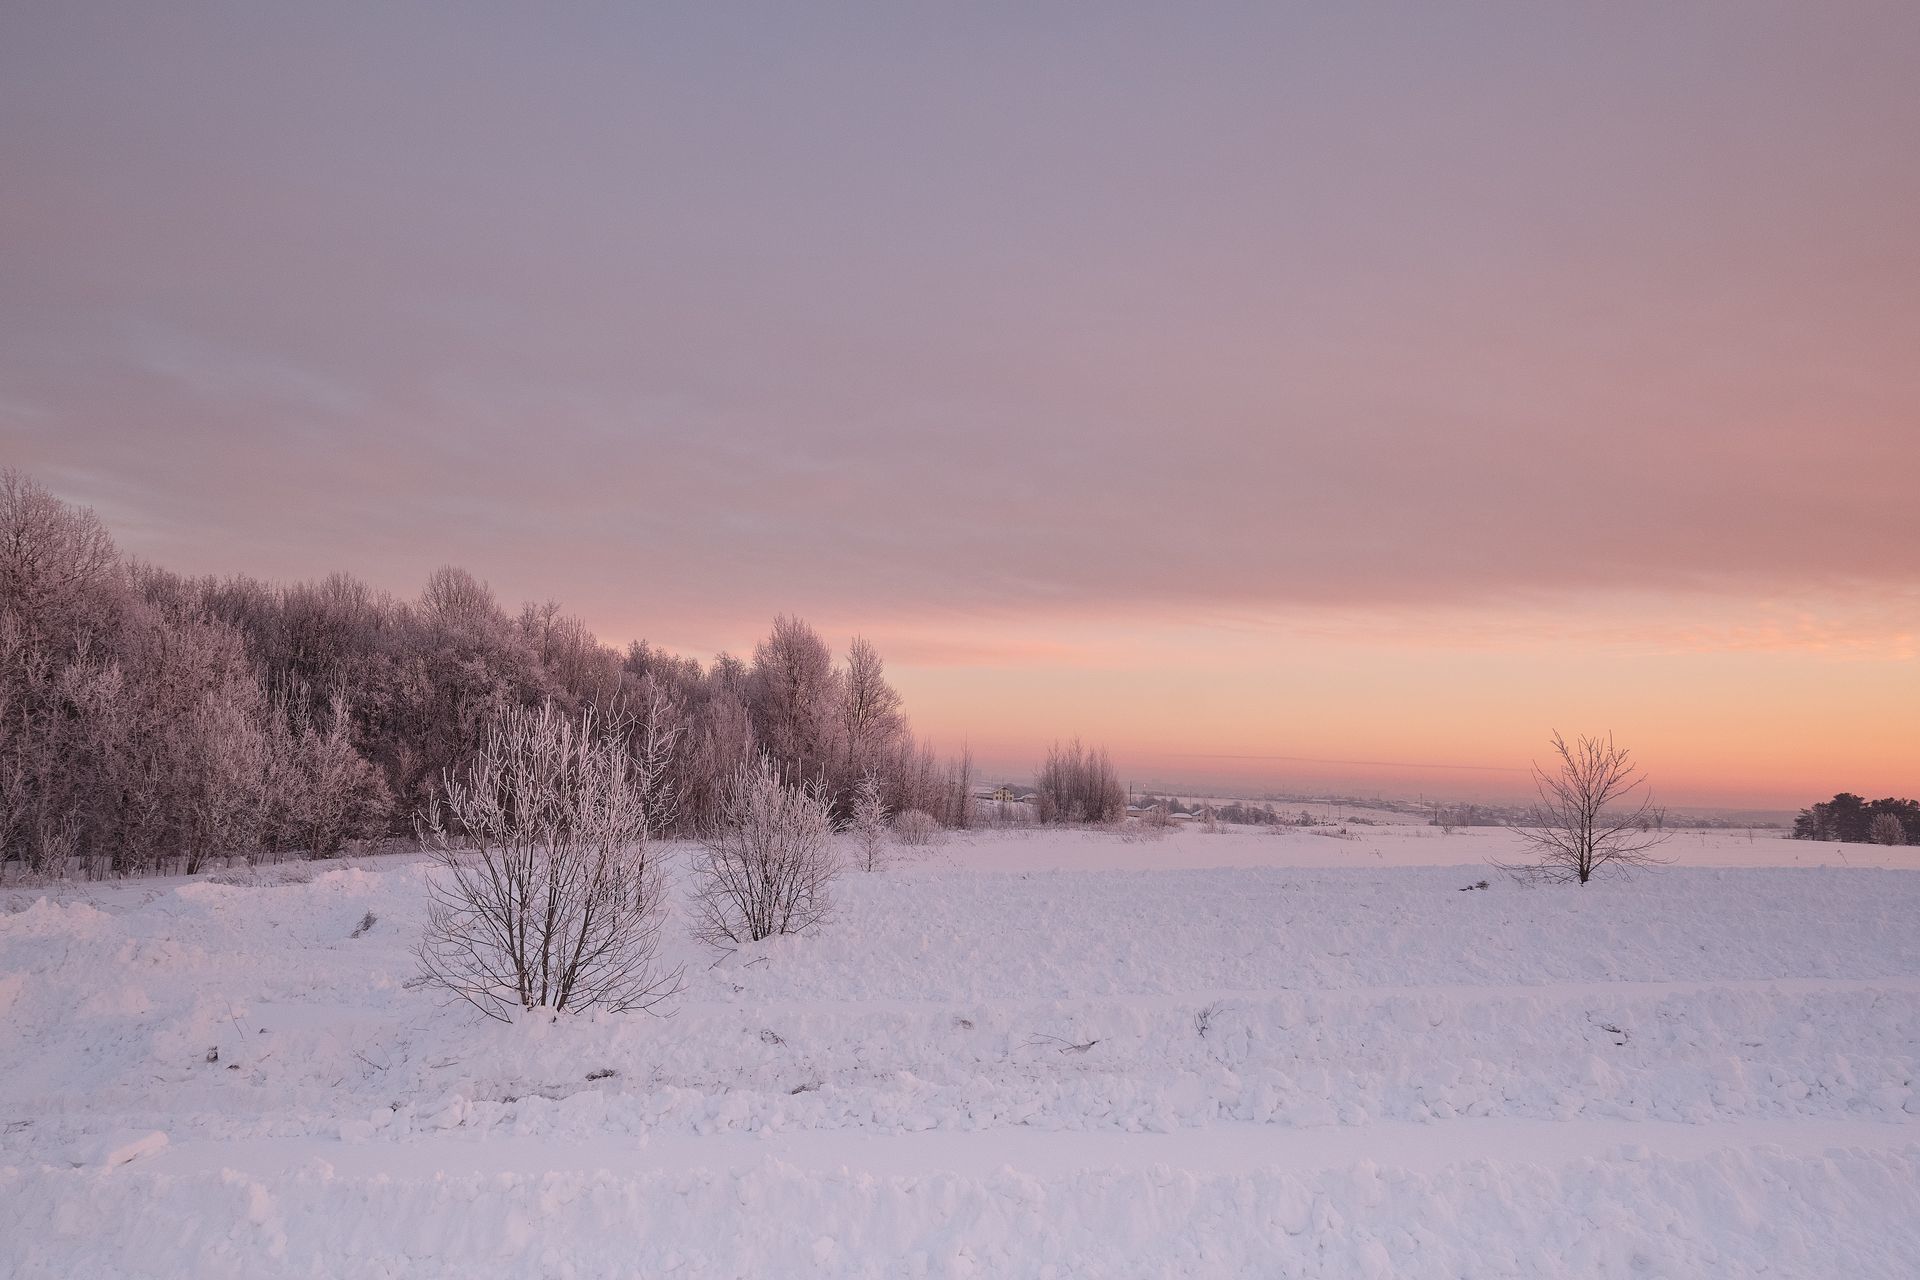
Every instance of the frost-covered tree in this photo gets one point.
(793, 692)
(549, 893)
(59, 572)
(655, 739)
(150, 721)
(767, 864)
(721, 745)
(868, 824)
(868, 713)
(338, 796)
(63, 601)
(1886, 829)
(455, 600)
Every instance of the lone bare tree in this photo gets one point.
(1594, 810)
(767, 865)
(548, 896)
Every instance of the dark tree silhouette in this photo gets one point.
(1594, 811)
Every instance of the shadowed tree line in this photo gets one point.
(1852, 820)
(150, 721)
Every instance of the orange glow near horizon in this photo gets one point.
(1730, 704)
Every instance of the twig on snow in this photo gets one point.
(1066, 1046)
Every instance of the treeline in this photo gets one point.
(1852, 820)
(150, 721)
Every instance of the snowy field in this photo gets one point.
(1012, 1055)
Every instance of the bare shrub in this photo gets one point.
(1886, 829)
(548, 895)
(915, 829)
(767, 866)
(1203, 1021)
(1078, 785)
(1594, 810)
(869, 824)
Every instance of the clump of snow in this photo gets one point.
(110, 1150)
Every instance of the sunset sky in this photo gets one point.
(1292, 396)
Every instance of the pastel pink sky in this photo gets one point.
(1390, 384)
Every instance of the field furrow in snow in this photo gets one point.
(1853, 1212)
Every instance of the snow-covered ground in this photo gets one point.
(1018, 1054)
